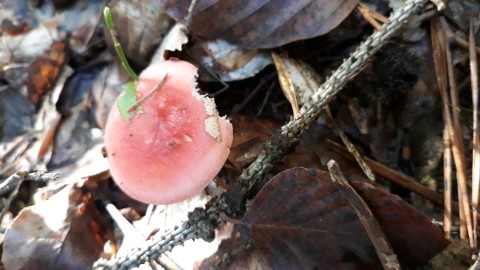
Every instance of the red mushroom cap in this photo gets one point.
(175, 146)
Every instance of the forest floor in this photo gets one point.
(403, 131)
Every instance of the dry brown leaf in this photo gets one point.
(64, 232)
(262, 24)
(173, 41)
(286, 83)
(249, 136)
(304, 79)
(14, 27)
(300, 218)
(43, 72)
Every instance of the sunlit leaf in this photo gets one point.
(64, 232)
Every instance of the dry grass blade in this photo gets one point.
(476, 150)
(447, 184)
(445, 73)
(458, 147)
(440, 63)
(441, 73)
(374, 230)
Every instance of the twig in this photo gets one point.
(350, 146)
(476, 138)
(189, 17)
(148, 95)
(385, 253)
(476, 265)
(203, 223)
(12, 184)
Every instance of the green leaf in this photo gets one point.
(127, 100)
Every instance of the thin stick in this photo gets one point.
(393, 176)
(189, 17)
(16, 178)
(147, 96)
(350, 146)
(385, 253)
(476, 138)
(459, 42)
(12, 185)
(118, 47)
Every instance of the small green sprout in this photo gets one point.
(128, 104)
(129, 98)
(118, 48)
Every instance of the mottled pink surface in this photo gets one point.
(164, 155)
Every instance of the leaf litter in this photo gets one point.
(390, 113)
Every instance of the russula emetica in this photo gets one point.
(175, 146)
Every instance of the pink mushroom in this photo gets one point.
(175, 146)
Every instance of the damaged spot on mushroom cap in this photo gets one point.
(211, 122)
(212, 127)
